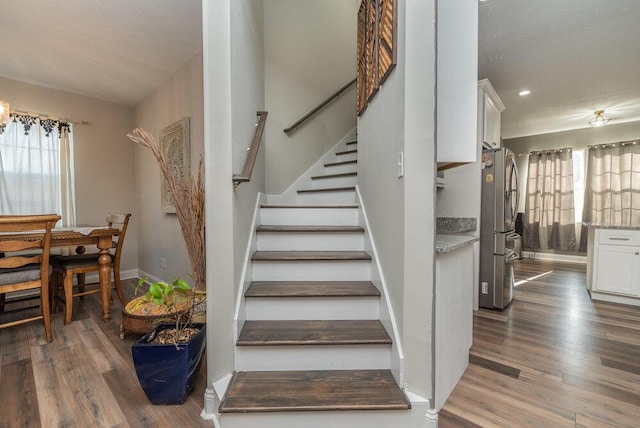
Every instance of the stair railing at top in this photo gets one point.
(245, 175)
(319, 107)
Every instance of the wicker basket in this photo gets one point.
(137, 323)
(141, 324)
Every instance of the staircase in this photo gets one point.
(312, 350)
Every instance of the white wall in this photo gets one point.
(104, 161)
(233, 92)
(401, 118)
(247, 92)
(159, 233)
(310, 52)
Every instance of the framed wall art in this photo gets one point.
(176, 148)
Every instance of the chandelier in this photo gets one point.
(599, 119)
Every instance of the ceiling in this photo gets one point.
(114, 50)
(575, 56)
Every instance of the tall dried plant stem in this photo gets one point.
(188, 197)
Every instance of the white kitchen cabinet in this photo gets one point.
(457, 75)
(490, 110)
(616, 262)
(613, 265)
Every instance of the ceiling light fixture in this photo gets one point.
(525, 92)
(4, 115)
(599, 119)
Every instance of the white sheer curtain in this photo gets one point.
(549, 216)
(612, 190)
(36, 168)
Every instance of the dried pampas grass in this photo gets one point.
(188, 197)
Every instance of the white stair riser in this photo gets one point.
(329, 198)
(313, 308)
(319, 183)
(414, 418)
(309, 216)
(312, 270)
(339, 169)
(313, 357)
(347, 156)
(309, 241)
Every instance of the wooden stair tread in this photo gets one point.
(303, 228)
(313, 332)
(349, 162)
(347, 206)
(309, 255)
(319, 390)
(347, 152)
(344, 174)
(311, 289)
(329, 189)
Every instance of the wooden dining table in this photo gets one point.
(81, 236)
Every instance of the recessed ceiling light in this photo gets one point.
(525, 92)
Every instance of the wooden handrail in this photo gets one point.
(320, 106)
(253, 151)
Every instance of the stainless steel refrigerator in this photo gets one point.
(498, 237)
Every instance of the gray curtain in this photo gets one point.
(612, 188)
(549, 215)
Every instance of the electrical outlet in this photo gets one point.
(163, 263)
(485, 288)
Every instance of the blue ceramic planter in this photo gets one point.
(166, 373)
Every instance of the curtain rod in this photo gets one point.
(605, 145)
(538, 152)
(49, 116)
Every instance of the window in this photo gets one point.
(35, 168)
(578, 182)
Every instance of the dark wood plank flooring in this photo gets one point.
(553, 358)
(311, 289)
(84, 378)
(349, 332)
(271, 391)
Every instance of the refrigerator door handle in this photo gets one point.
(511, 256)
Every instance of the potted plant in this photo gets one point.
(167, 358)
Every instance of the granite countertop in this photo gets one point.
(609, 226)
(455, 232)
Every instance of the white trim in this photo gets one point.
(243, 283)
(396, 348)
(615, 298)
(291, 193)
(554, 257)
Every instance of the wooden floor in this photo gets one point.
(553, 358)
(84, 378)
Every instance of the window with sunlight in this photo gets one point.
(36, 174)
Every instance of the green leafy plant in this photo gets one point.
(176, 302)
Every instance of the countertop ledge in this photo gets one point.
(446, 243)
(609, 226)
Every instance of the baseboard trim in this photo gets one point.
(554, 257)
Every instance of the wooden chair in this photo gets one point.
(65, 267)
(19, 272)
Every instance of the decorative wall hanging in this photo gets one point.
(387, 35)
(175, 145)
(362, 63)
(377, 35)
(371, 49)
